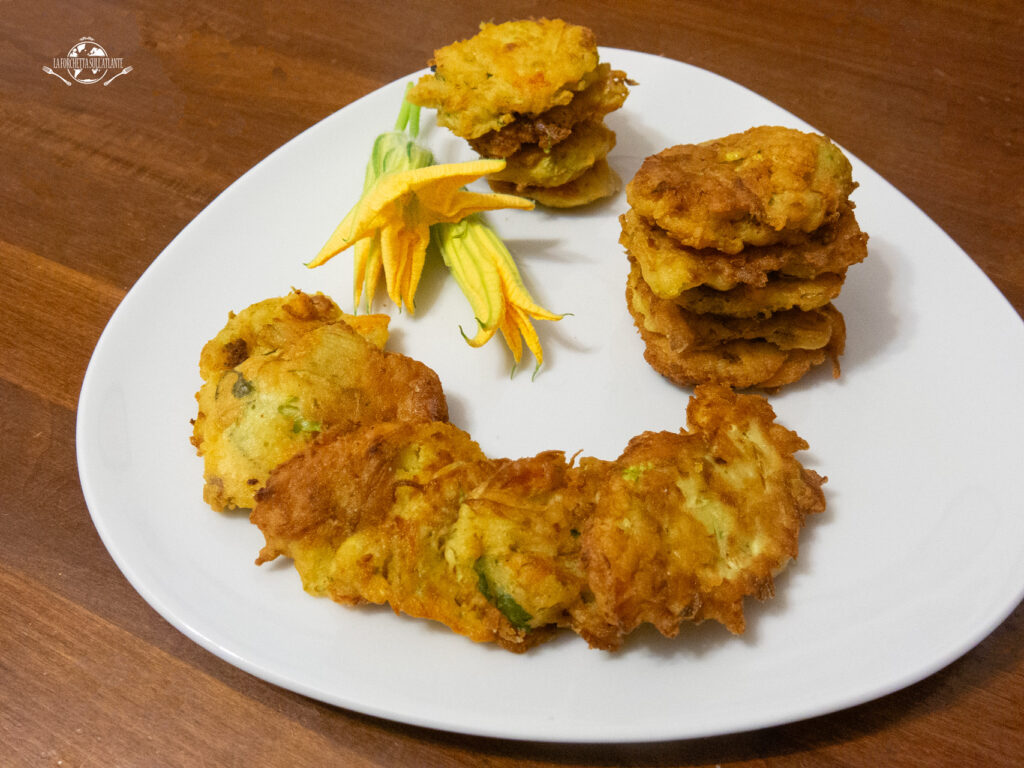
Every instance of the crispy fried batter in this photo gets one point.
(414, 515)
(271, 324)
(519, 532)
(788, 329)
(779, 293)
(291, 386)
(606, 94)
(763, 186)
(532, 92)
(532, 166)
(692, 523)
(366, 517)
(671, 268)
(517, 68)
(694, 349)
(598, 182)
(263, 327)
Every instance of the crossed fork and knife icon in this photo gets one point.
(124, 71)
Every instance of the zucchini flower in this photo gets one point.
(403, 196)
(408, 201)
(487, 275)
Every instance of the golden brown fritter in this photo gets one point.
(671, 268)
(779, 293)
(532, 166)
(691, 523)
(598, 182)
(291, 387)
(606, 94)
(271, 324)
(788, 329)
(532, 92)
(506, 70)
(519, 532)
(763, 186)
(415, 516)
(264, 327)
(697, 349)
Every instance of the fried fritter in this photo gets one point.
(506, 70)
(598, 182)
(532, 166)
(788, 329)
(671, 268)
(779, 293)
(532, 92)
(688, 348)
(690, 524)
(763, 186)
(266, 407)
(606, 94)
(366, 517)
(415, 516)
(519, 532)
(264, 327)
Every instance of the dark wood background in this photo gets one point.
(97, 181)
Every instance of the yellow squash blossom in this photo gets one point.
(400, 209)
(405, 197)
(487, 275)
(392, 151)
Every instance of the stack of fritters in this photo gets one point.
(681, 527)
(532, 92)
(737, 248)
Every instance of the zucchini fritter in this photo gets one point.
(266, 326)
(690, 348)
(506, 70)
(693, 522)
(671, 268)
(598, 182)
(779, 293)
(737, 247)
(532, 92)
(278, 375)
(606, 94)
(519, 532)
(366, 517)
(766, 185)
(532, 166)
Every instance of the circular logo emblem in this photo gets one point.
(84, 51)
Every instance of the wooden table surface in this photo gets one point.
(97, 181)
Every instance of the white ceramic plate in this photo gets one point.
(919, 556)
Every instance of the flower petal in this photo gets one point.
(461, 203)
(403, 246)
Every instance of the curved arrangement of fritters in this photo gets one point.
(283, 371)
(534, 93)
(682, 527)
(737, 248)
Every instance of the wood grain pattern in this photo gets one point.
(97, 181)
